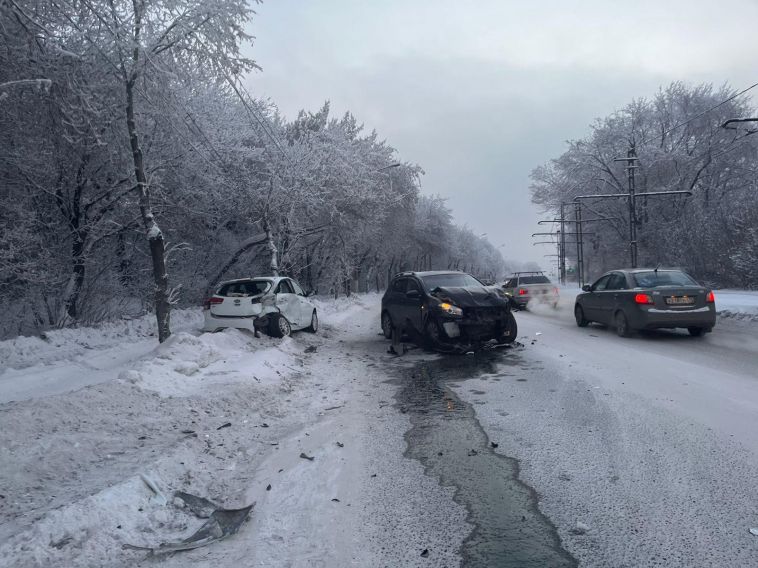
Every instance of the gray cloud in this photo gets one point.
(461, 100)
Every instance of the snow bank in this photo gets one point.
(55, 345)
(187, 364)
(738, 304)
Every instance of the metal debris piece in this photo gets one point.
(221, 524)
(754, 532)
(340, 444)
(306, 457)
(425, 553)
(227, 425)
(200, 506)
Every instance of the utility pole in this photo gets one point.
(562, 250)
(579, 241)
(579, 244)
(562, 238)
(631, 159)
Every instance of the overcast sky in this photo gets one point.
(479, 93)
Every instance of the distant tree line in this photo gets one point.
(137, 172)
(681, 145)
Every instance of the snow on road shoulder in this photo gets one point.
(57, 345)
(738, 304)
(198, 413)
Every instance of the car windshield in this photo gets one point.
(534, 280)
(660, 278)
(244, 289)
(450, 281)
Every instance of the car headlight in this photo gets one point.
(450, 309)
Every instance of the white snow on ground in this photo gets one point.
(739, 304)
(223, 416)
(68, 359)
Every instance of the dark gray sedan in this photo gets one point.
(645, 298)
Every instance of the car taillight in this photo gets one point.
(643, 299)
(711, 297)
(212, 301)
(523, 292)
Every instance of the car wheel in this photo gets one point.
(279, 326)
(387, 325)
(432, 333)
(313, 328)
(511, 330)
(696, 331)
(622, 325)
(581, 321)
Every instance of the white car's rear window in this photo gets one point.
(244, 289)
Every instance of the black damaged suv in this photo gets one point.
(447, 309)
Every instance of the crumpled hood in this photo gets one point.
(474, 297)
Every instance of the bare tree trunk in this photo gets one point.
(75, 280)
(152, 230)
(273, 264)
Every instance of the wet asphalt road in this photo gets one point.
(448, 440)
(610, 451)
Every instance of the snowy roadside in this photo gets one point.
(224, 416)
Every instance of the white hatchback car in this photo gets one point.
(275, 305)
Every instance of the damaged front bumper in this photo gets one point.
(478, 325)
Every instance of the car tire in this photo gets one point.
(279, 326)
(511, 330)
(313, 328)
(696, 331)
(581, 321)
(622, 324)
(387, 325)
(432, 333)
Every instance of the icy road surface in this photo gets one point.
(577, 446)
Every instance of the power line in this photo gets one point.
(683, 123)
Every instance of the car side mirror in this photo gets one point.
(587, 288)
(413, 294)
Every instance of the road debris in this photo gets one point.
(306, 457)
(221, 524)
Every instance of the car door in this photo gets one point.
(395, 298)
(592, 301)
(288, 303)
(412, 305)
(305, 307)
(611, 297)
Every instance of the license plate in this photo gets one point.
(680, 300)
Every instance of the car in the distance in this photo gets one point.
(531, 287)
(275, 305)
(447, 309)
(647, 298)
